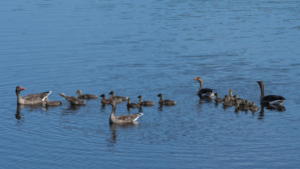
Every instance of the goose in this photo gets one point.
(132, 105)
(104, 101)
(80, 95)
(165, 102)
(31, 99)
(118, 99)
(73, 100)
(204, 92)
(144, 103)
(126, 119)
(269, 100)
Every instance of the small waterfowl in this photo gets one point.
(132, 105)
(218, 99)
(269, 100)
(126, 119)
(204, 92)
(73, 100)
(104, 101)
(53, 103)
(145, 103)
(165, 102)
(80, 95)
(31, 99)
(118, 99)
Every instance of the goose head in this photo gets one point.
(19, 89)
(198, 79)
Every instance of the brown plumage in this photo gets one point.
(145, 103)
(80, 95)
(132, 105)
(165, 102)
(73, 100)
(126, 119)
(104, 101)
(31, 99)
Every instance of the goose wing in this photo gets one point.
(39, 96)
(129, 118)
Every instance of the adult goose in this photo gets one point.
(165, 102)
(126, 119)
(204, 92)
(118, 99)
(80, 95)
(74, 101)
(145, 103)
(269, 100)
(31, 99)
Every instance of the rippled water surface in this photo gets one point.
(149, 47)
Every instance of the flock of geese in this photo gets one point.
(273, 102)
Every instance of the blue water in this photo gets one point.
(145, 48)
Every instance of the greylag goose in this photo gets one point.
(145, 103)
(118, 99)
(31, 99)
(73, 100)
(204, 92)
(104, 101)
(126, 119)
(80, 95)
(132, 105)
(165, 102)
(269, 100)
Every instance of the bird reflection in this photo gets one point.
(18, 114)
(279, 108)
(115, 127)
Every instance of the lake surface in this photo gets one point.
(145, 48)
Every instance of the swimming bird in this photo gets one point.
(218, 99)
(145, 103)
(204, 92)
(118, 99)
(31, 99)
(104, 101)
(126, 119)
(132, 105)
(80, 95)
(73, 100)
(269, 100)
(165, 102)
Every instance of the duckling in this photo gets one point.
(118, 99)
(73, 100)
(104, 101)
(218, 99)
(145, 103)
(165, 102)
(80, 95)
(132, 105)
